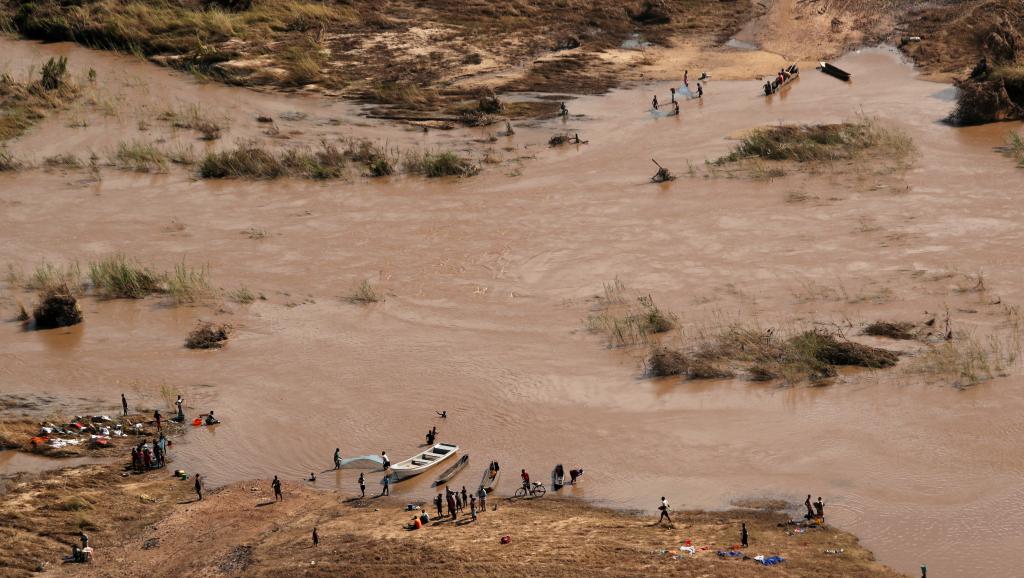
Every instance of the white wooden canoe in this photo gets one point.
(422, 462)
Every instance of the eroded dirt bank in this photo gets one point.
(488, 281)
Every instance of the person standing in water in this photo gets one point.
(665, 509)
(199, 487)
(810, 509)
(673, 91)
(654, 102)
(180, 404)
(686, 78)
(337, 459)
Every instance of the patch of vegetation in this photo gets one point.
(379, 162)
(57, 307)
(8, 162)
(140, 156)
(191, 117)
(808, 355)
(364, 293)
(66, 160)
(439, 164)
(627, 320)
(891, 329)
(1015, 147)
(823, 142)
(242, 296)
(117, 277)
(207, 335)
(22, 104)
(188, 285)
(253, 161)
(48, 276)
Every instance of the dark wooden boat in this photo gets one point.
(835, 71)
(774, 85)
(451, 471)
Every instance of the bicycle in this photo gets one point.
(537, 491)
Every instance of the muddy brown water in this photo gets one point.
(488, 280)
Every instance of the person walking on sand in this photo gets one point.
(337, 458)
(316, 537)
(437, 504)
(199, 487)
(387, 486)
(362, 486)
(665, 509)
(124, 404)
(810, 509)
(157, 417)
(743, 535)
(276, 484)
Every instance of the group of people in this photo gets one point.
(83, 554)
(147, 457)
(815, 510)
(458, 501)
(686, 85)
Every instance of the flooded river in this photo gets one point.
(489, 279)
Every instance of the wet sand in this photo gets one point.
(488, 281)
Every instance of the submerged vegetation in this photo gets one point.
(764, 355)
(207, 335)
(438, 164)
(822, 142)
(57, 307)
(24, 103)
(626, 319)
(117, 277)
(253, 161)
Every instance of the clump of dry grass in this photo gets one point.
(377, 159)
(438, 164)
(208, 335)
(806, 355)
(253, 161)
(892, 329)
(118, 277)
(139, 156)
(23, 103)
(365, 293)
(965, 359)
(188, 285)
(242, 296)
(191, 117)
(821, 143)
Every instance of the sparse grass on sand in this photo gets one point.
(821, 143)
(764, 355)
(438, 164)
(365, 293)
(626, 319)
(242, 296)
(208, 335)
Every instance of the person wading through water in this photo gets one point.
(665, 509)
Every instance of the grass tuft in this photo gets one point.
(140, 157)
(117, 277)
(364, 293)
(822, 142)
(438, 164)
(207, 335)
(188, 285)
